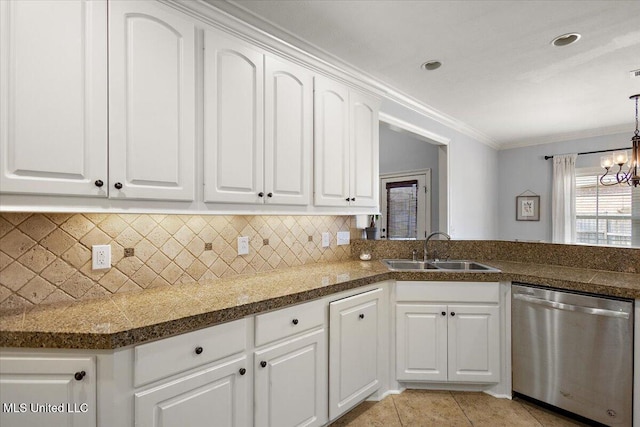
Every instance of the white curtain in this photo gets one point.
(563, 203)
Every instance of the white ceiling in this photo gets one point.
(500, 75)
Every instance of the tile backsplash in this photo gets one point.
(46, 257)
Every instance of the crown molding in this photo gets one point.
(569, 136)
(231, 17)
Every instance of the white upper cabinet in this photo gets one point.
(345, 146)
(151, 102)
(258, 125)
(233, 120)
(331, 145)
(53, 97)
(288, 132)
(364, 180)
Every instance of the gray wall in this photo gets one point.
(401, 151)
(525, 169)
(473, 185)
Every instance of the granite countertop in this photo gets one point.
(135, 317)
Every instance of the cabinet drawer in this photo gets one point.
(166, 357)
(289, 321)
(448, 291)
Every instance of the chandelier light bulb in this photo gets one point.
(620, 157)
(606, 162)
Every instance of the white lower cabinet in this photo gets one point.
(291, 382)
(214, 396)
(448, 331)
(47, 391)
(206, 381)
(353, 350)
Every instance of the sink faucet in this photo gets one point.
(426, 242)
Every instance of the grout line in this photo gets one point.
(393, 400)
(461, 408)
(530, 413)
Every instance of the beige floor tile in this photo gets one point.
(548, 418)
(371, 414)
(484, 410)
(422, 408)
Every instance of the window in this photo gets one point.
(402, 209)
(603, 213)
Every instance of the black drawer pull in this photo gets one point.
(361, 316)
(263, 364)
(199, 350)
(79, 375)
(294, 321)
(453, 313)
(444, 313)
(242, 371)
(99, 183)
(118, 185)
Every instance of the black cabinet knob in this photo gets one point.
(361, 316)
(242, 371)
(444, 313)
(453, 313)
(261, 194)
(199, 350)
(269, 194)
(99, 183)
(263, 364)
(294, 321)
(347, 199)
(353, 199)
(118, 185)
(79, 375)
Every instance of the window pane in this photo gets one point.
(402, 210)
(603, 213)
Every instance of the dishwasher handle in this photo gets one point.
(571, 307)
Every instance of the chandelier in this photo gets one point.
(620, 158)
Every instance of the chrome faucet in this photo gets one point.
(426, 242)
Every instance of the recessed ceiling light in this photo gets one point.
(431, 65)
(566, 39)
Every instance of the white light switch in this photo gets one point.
(100, 257)
(243, 245)
(343, 238)
(326, 237)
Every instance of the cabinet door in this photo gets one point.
(364, 180)
(288, 132)
(291, 382)
(233, 120)
(421, 342)
(474, 343)
(151, 102)
(216, 396)
(28, 383)
(331, 143)
(53, 97)
(353, 351)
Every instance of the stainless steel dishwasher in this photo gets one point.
(574, 352)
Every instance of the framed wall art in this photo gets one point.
(527, 208)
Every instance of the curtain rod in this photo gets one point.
(594, 152)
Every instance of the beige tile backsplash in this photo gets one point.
(46, 258)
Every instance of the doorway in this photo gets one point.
(405, 204)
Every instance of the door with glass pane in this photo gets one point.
(405, 204)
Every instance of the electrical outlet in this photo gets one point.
(326, 237)
(243, 245)
(343, 237)
(100, 257)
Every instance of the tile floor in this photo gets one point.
(442, 408)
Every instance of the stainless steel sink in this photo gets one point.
(407, 264)
(449, 265)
